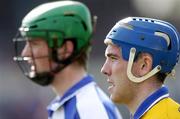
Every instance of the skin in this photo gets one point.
(122, 90)
(38, 49)
(115, 70)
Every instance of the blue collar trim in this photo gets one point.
(77, 86)
(58, 102)
(150, 101)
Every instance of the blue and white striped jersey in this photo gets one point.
(85, 100)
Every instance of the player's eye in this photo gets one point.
(33, 43)
(113, 58)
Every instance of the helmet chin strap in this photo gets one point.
(129, 69)
(46, 78)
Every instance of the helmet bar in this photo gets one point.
(129, 68)
(25, 29)
(17, 58)
(165, 36)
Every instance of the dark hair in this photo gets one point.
(83, 56)
(161, 77)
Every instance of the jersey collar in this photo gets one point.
(150, 101)
(59, 101)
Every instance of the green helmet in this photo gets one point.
(55, 22)
(59, 20)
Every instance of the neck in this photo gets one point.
(68, 77)
(141, 92)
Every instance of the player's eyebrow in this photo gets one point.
(111, 55)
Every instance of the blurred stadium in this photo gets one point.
(22, 99)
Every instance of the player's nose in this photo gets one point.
(26, 52)
(106, 69)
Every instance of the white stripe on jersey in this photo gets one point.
(96, 109)
(104, 98)
(59, 114)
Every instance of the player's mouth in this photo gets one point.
(110, 88)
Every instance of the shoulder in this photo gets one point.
(172, 108)
(164, 109)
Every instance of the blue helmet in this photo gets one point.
(157, 37)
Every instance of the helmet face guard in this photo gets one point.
(54, 22)
(29, 69)
(19, 44)
(156, 37)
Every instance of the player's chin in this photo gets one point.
(114, 98)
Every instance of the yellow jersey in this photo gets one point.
(158, 106)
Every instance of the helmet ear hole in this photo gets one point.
(142, 38)
(169, 47)
(74, 41)
(84, 25)
(34, 26)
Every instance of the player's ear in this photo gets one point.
(69, 47)
(143, 64)
(66, 49)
